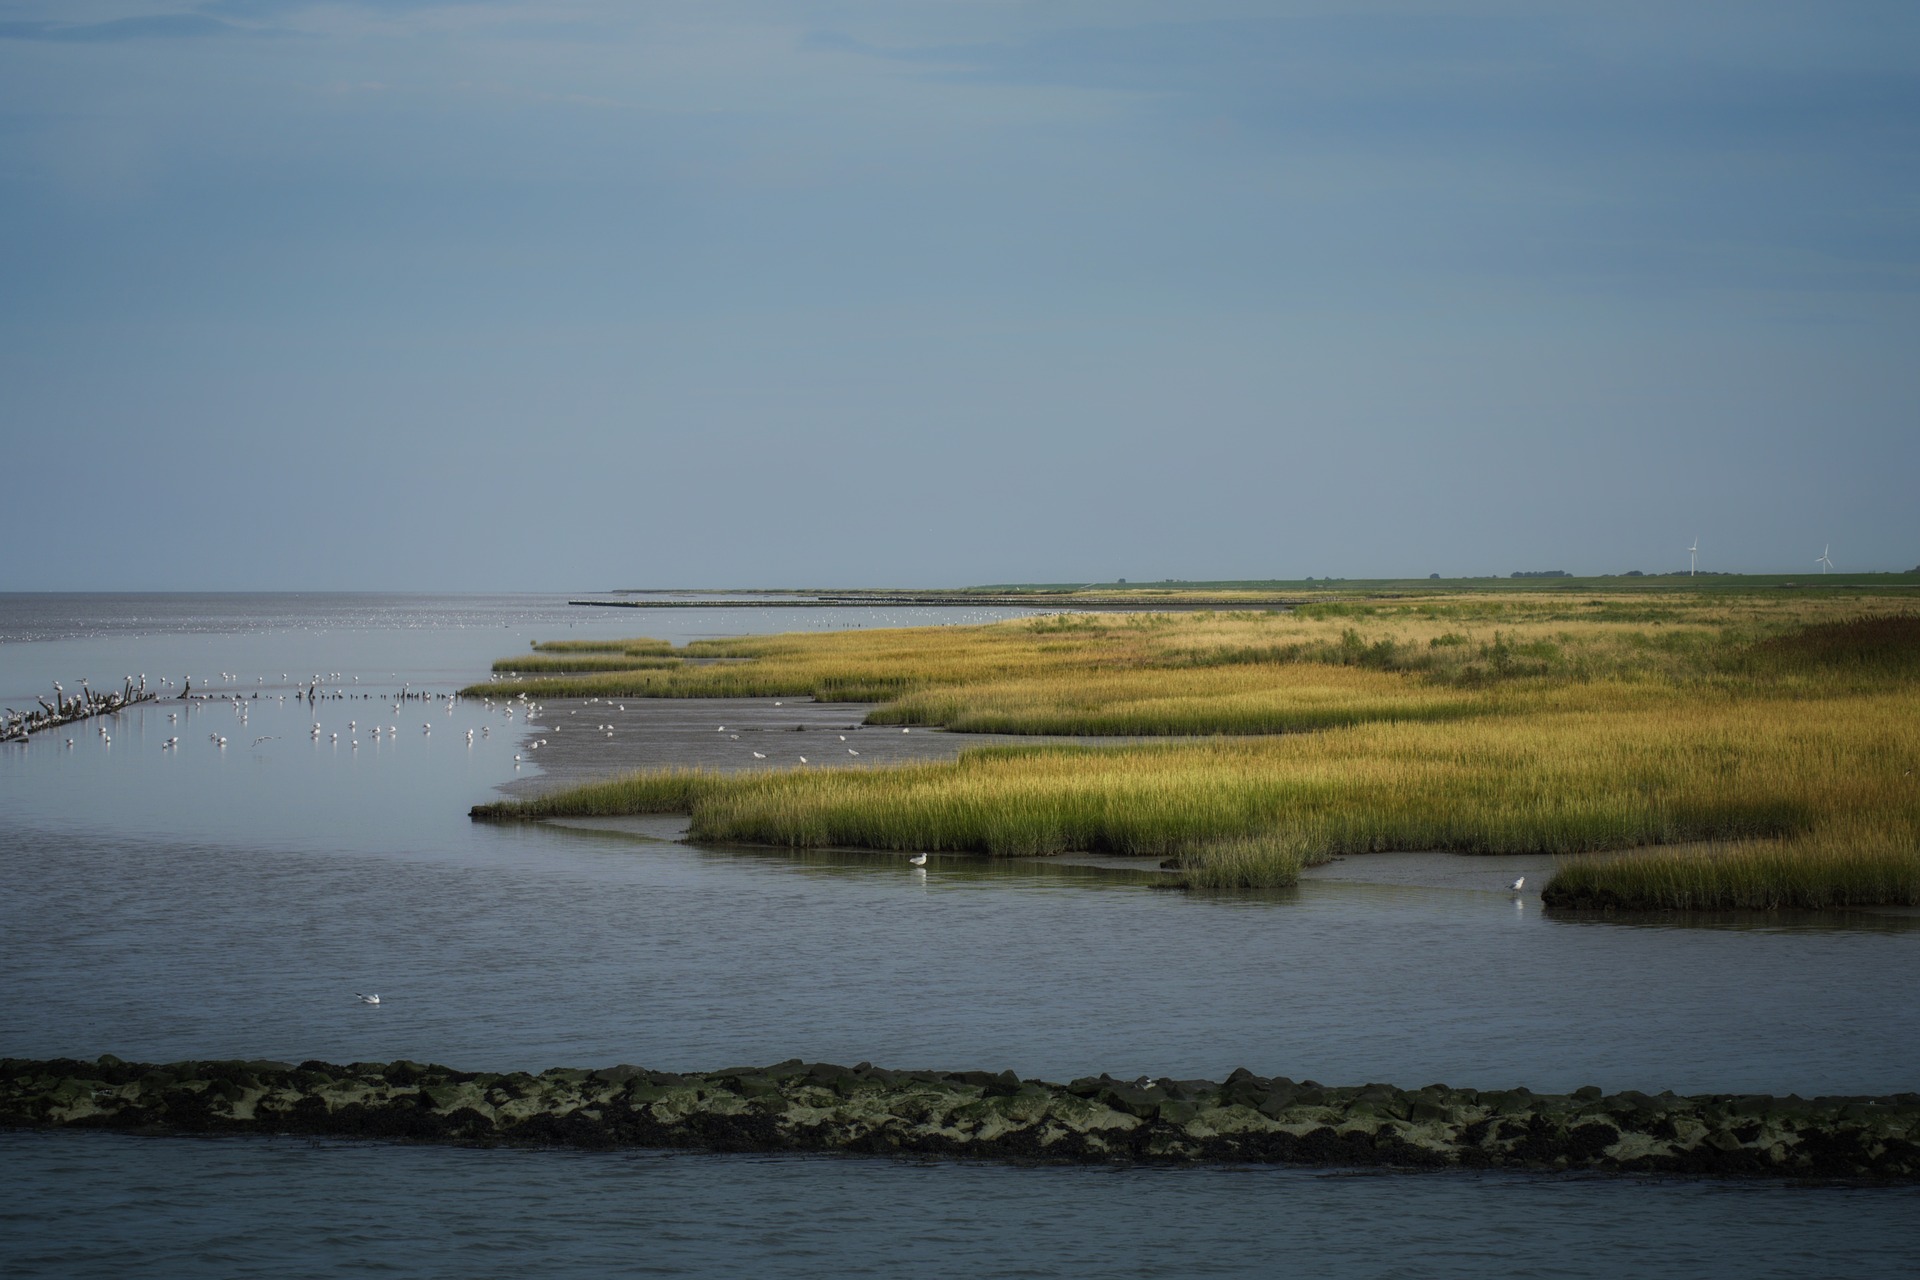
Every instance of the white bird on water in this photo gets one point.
(1518, 885)
(759, 755)
(918, 859)
(372, 999)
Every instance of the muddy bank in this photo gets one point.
(799, 1106)
(588, 739)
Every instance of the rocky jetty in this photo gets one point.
(801, 1106)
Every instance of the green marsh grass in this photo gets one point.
(1598, 774)
(1271, 860)
(1481, 726)
(573, 661)
(1846, 864)
(637, 646)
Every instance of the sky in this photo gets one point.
(586, 294)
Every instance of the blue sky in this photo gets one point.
(575, 294)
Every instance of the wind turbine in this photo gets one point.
(1826, 564)
(1693, 556)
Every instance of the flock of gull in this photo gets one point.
(523, 709)
(313, 693)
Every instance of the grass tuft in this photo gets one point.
(1846, 865)
(1270, 860)
(638, 646)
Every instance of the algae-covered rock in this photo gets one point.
(797, 1106)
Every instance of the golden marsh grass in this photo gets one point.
(1783, 730)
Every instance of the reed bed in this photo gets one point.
(575, 661)
(1566, 782)
(1847, 863)
(1470, 646)
(637, 646)
(1758, 726)
(1142, 701)
(1270, 860)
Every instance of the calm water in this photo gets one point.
(203, 900)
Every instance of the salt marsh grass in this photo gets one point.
(635, 647)
(1769, 729)
(1849, 863)
(572, 661)
(1575, 780)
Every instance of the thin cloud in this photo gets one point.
(169, 26)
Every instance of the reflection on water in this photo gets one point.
(103, 1205)
(1852, 920)
(522, 946)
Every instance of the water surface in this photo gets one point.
(205, 900)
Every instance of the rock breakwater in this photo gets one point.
(800, 1106)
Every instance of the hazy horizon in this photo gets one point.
(476, 295)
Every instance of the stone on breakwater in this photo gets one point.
(799, 1106)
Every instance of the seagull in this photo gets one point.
(1518, 885)
(258, 741)
(372, 999)
(803, 759)
(758, 755)
(918, 859)
(852, 752)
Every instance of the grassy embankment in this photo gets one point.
(1778, 734)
